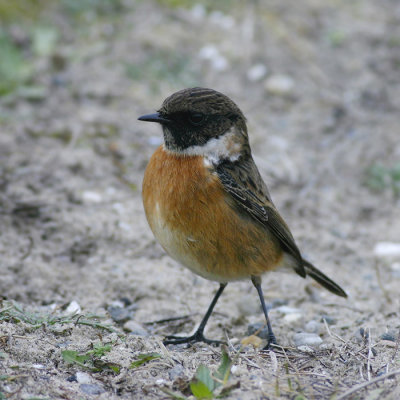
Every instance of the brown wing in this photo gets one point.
(249, 192)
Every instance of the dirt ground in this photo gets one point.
(86, 289)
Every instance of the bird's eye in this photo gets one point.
(196, 118)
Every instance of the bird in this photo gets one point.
(208, 206)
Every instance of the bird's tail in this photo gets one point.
(323, 279)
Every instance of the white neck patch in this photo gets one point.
(226, 146)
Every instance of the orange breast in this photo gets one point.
(188, 212)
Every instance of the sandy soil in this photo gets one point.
(322, 108)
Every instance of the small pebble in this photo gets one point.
(83, 377)
(326, 346)
(312, 327)
(135, 329)
(234, 341)
(395, 269)
(387, 249)
(292, 318)
(91, 197)
(91, 388)
(73, 308)
(329, 320)
(175, 372)
(395, 266)
(119, 208)
(288, 310)
(388, 336)
(259, 329)
(305, 349)
(280, 85)
(212, 54)
(72, 378)
(307, 339)
(117, 303)
(252, 340)
(38, 366)
(257, 72)
(119, 314)
(125, 226)
(278, 302)
(358, 335)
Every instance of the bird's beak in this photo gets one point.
(156, 117)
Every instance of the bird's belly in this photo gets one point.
(182, 247)
(189, 214)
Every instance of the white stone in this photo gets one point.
(387, 249)
(279, 84)
(212, 54)
(124, 226)
(208, 51)
(292, 318)
(307, 339)
(83, 377)
(91, 197)
(306, 349)
(313, 327)
(73, 308)
(119, 208)
(288, 310)
(38, 366)
(257, 72)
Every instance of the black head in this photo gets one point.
(191, 117)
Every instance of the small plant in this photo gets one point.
(91, 359)
(208, 385)
(13, 312)
(379, 178)
(14, 69)
(144, 358)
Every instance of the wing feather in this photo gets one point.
(252, 197)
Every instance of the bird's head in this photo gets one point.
(199, 121)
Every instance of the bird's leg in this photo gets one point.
(271, 337)
(198, 336)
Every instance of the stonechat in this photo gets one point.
(207, 204)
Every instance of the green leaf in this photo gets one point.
(144, 358)
(14, 69)
(99, 349)
(114, 367)
(200, 390)
(44, 40)
(174, 395)
(99, 365)
(224, 370)
(72, 357)
(203, 374)
(395, 172)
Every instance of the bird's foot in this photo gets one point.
(271, 342)
(196, 337)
